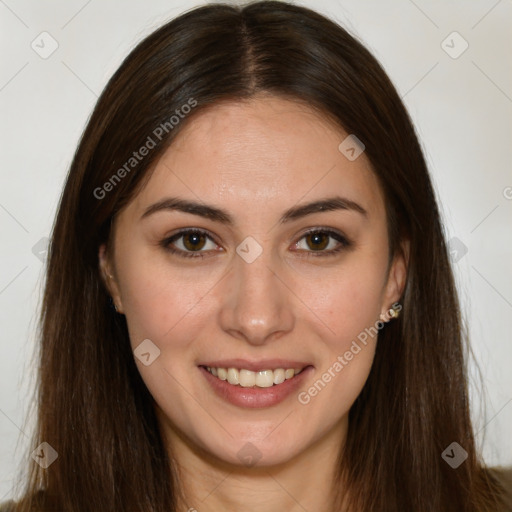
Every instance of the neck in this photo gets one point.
(304, 483)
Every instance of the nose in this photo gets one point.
(257, 303)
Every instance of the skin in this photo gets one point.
(255, 160)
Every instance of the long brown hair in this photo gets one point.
(93, 407)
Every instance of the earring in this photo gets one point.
(395, 310)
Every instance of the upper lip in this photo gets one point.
(256, 366)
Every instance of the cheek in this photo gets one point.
(348, 301)
(170, 308)
(349, 307)
(159, 301)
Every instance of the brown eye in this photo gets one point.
(322, 242)
(317, 241)
(194, 241)
(189, 243)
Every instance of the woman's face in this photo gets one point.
(249, 287)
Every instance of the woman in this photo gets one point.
(249, 303)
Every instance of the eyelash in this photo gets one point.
(343, 243)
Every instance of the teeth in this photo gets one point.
(233, 376)
(279, 376)
(264, 379)
(248, 379)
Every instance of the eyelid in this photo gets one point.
(342, 240)
(166, 243)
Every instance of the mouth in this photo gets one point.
(245, 378)
(255, 384)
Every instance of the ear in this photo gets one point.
(397, 277)
(109, 279)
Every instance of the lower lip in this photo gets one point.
(256, 397)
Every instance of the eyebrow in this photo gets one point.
(222, 216)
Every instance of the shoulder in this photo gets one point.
(504, 476)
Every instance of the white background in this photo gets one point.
(462, 109)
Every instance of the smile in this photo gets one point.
(263, 384)
(248, 379)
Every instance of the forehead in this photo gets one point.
(263, 151)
